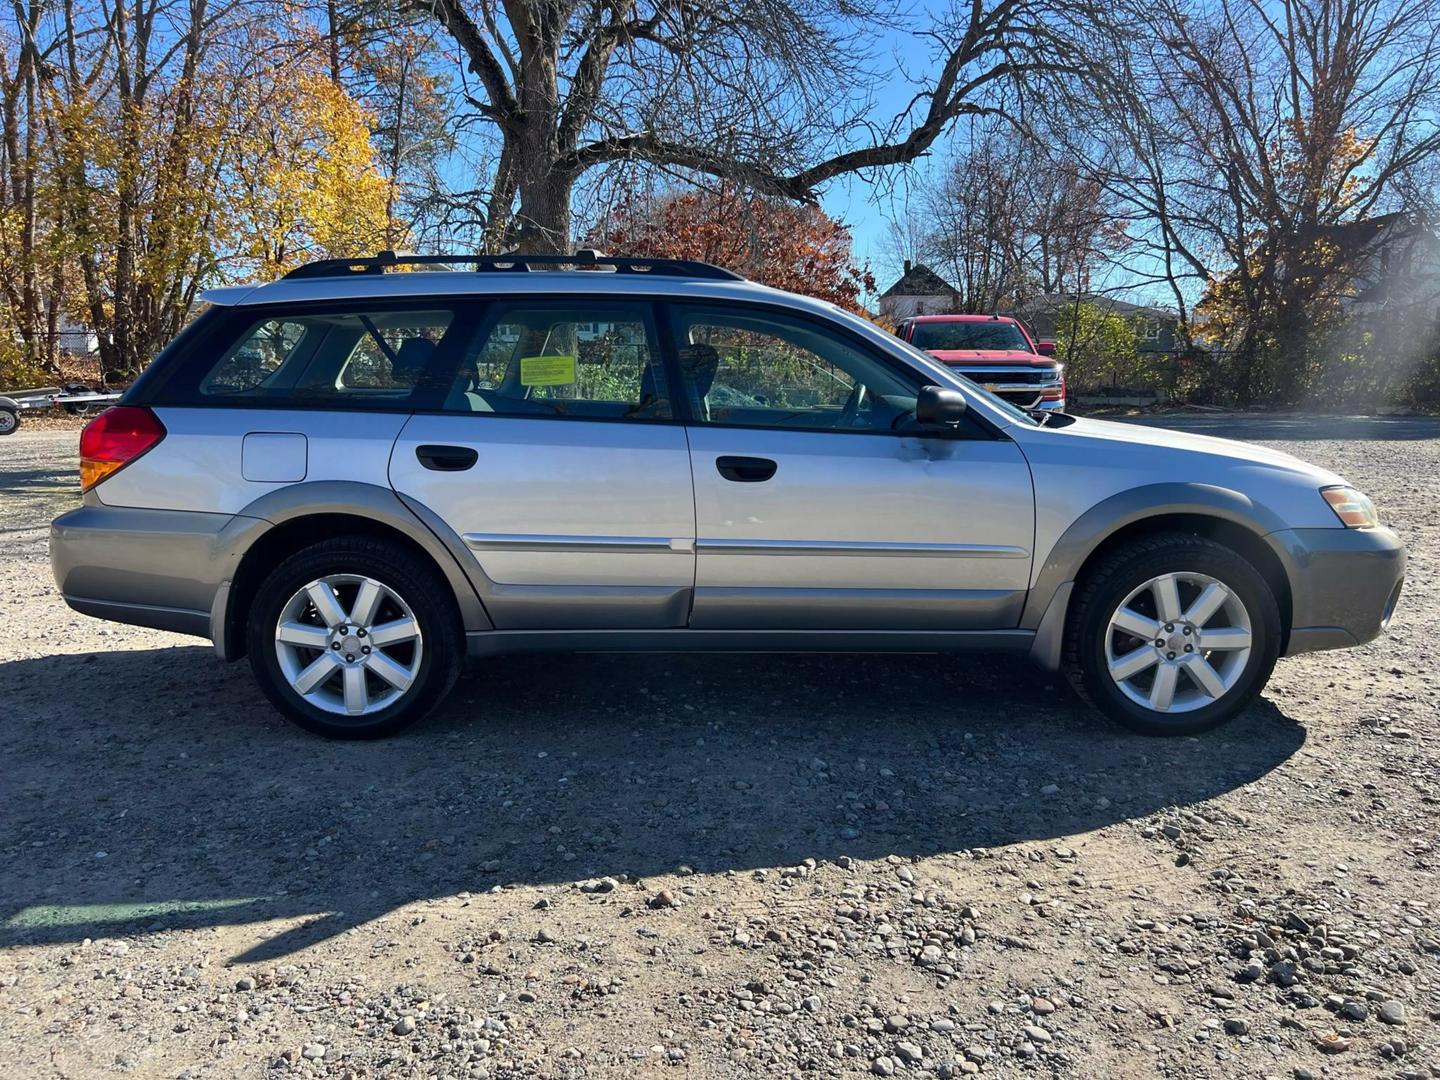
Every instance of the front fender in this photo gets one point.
(1048, 602)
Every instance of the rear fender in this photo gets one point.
(369, 501)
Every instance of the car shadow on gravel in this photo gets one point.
(156, 790)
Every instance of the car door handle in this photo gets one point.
(746, 470)
(447, 458)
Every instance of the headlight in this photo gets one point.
(1354, 509)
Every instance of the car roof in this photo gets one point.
(453, 283)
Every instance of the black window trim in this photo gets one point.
(187, 350)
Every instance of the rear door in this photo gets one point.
(557, 457)
(819, 504)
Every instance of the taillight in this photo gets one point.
(114, 439)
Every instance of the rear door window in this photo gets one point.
(592, 361)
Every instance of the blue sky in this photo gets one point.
(855, 202)
(867, 210)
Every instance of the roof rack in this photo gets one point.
(515, 263)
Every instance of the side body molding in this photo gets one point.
(379, 504)
(1048, 603)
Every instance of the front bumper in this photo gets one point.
(158, 568)
(1344, 584)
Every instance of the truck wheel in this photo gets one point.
(9, 420)
(1172, 635)
(354, 638)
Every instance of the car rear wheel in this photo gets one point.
(1172, 635)
(354, 638)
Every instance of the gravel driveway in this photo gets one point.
(718, 865)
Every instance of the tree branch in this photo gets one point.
(482, 60)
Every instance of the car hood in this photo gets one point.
(1240, 453)
(961, 357)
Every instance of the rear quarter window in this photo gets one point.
(347, 356)
(256, 358)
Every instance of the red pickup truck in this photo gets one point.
(995, 351)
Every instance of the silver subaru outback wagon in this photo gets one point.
(355, 476)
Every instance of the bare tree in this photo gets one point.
(1245, 135)
(761, 92)
(1006, 221)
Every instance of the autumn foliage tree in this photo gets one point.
(769, 240)
(123, 147)
(149, 148)
(304, 182)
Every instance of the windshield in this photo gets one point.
(999, 336)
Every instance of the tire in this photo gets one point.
(1226, 677)
(409, 602)
(9, 420)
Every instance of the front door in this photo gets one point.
(820, 505)
(557, 461)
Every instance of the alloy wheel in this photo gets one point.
(1179, 642)
(348, 644)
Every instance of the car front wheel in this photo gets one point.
(354, 638)
(1172, 634)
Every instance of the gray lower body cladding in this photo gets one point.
(159, 568)
(170, 570)
(500, 642)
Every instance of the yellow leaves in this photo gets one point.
(1314, 163)
(305, 182)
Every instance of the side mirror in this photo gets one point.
(1045, 348)
(938, 408)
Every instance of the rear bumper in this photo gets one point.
(1344, 584)
(158, 568)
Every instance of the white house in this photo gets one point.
(920, 291)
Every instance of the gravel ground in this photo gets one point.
(717, 866)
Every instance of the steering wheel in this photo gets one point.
(853, 404)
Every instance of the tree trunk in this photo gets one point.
(544, 219)
(1246, 356)
(1292, 348)
(542, 225)
(332, 39)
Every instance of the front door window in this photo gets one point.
(761, 370)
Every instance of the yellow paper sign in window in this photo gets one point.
(547, 370)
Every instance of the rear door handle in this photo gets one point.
(746, 470)
(446, 458)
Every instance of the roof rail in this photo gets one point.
(515, 263)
